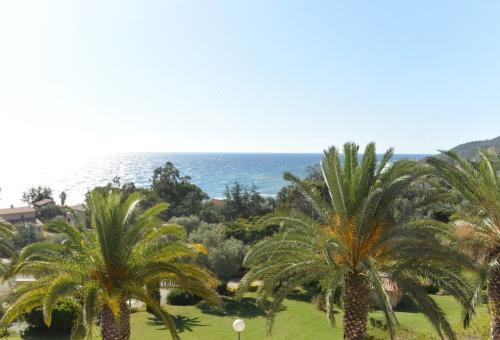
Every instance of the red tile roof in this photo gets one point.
(218, 202)
(43, 202)
(388, 284)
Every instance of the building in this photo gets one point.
(46, 202)
(77, 214)
(25, 215)
(218, 202)
(20, 214)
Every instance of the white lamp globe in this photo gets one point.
(239, 325)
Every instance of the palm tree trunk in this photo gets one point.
(494, 301)
(115, 328)
(355, 300)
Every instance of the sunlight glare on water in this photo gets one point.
(75, 173)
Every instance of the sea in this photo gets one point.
(210, 171)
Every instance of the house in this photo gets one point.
(20, 214)
(27, 216)
(218, 202)
(77, 214)
(46, 202)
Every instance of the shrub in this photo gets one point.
(211, 213)
(249, 231)
(312, 287)
(430, 289)
(254, 286)
(190, 223)
(376, 323)
(26, 234)
(225, 256)
(178, 297)
(407, 304)
(51, 211)
(63, 316)
(223, 290)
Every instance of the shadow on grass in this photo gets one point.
(245, 307)
(301, 295)
(407, 305)
(182, 323)
(42, 335)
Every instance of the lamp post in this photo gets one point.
(239, 326)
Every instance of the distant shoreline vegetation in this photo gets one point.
(210, 171)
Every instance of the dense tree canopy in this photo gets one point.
(240, 201)
(183, 197)
(35, 194)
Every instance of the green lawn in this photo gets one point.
(298, 320)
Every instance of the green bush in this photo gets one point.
(190, 223)
(225, 256)
(51, 211)
(63, 316)
(210, 213)
(178, 297)
(406, 304)
(376, 323)
(223, 290)
(430, 289)
(249, 231)
(254, 286)
(26, 234)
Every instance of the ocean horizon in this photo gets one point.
(210, 171)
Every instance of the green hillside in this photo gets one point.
(469, 150)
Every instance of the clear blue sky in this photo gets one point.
(272, 76)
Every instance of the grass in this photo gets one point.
(299, 320)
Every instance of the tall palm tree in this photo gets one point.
(479, 183)
(352, 237)
(103, 267)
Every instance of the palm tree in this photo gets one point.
(7, 234)
(103, 267)
(352, 236)
(479, 184)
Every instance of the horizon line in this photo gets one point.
(259, 152)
